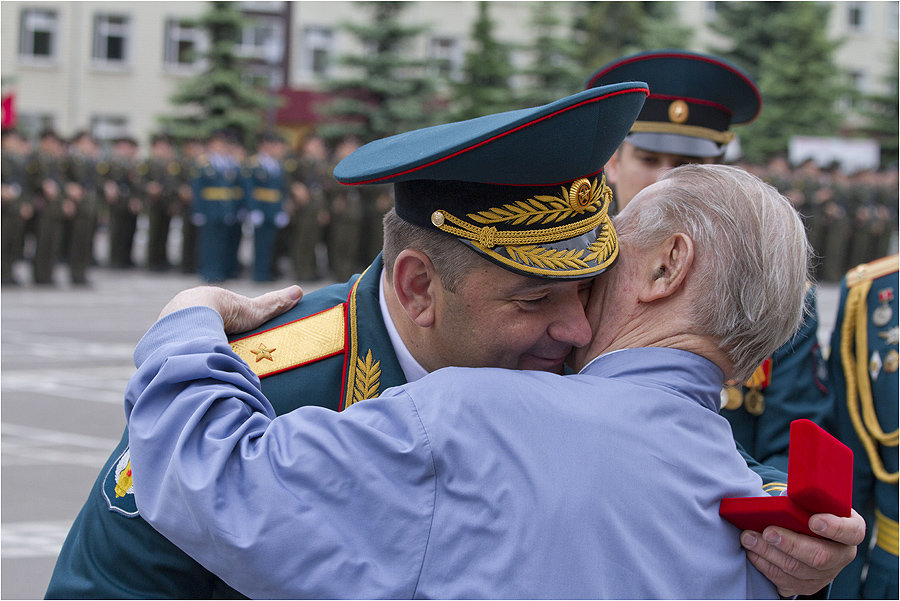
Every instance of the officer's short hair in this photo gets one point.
(751, 252)
(452, 259)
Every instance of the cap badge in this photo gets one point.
(580, 195)
(678, 111)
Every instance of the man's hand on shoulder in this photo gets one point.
(803, 565)
(239, 313)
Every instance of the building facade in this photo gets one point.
(111, 66)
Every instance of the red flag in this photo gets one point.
(9, 111)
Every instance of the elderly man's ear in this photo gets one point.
(416, 285)
(667, 268)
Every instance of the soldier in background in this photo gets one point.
(238, 154)
(864, 365)
(191, 152)
(120, 191)
(80, 207)
(345, 220)
(46, 171)
(264, 197)
(217, 192)
(15, 202)
(160, 174)
(307, 206)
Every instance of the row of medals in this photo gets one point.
(754, 402)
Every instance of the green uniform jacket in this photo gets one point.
(340, 353)
(864, 364)
(795, 386)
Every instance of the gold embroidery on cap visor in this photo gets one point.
(535, 251)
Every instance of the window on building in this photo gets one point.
(184, 45)
(856, 83)
(32, 124)
(857, 16)
(317, 49)
(111, 38)
(893, 21)
(38, 35)
(263, 39)
(106, 128)
(445, 56)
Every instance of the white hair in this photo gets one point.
(751, 261)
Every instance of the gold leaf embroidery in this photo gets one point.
(548, 258)
(368, 378)
(604, 246)
(538, 209)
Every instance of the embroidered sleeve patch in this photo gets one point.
(293, 344)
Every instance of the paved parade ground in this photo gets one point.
(66, 357)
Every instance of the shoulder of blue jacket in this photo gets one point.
(873, 270)
(313, 330)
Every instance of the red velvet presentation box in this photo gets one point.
(820, 480)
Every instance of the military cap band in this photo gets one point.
(521, 188)
(695, 131)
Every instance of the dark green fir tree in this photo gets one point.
(485, 85)
(794, 69)
(222, 97)
(554, 71)
(381, 90)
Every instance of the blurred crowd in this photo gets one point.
(77, 203)
(198, 203)
(850, 218)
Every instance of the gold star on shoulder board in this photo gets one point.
(263, 353)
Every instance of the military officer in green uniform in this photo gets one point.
(264, 198)
(499, 225)
(345, 226)
(309, 180)
(46, 171)
(121, 191)
(864, 361)
(82, 191)
(159, 175)
(694, 100)
(191, 151)
(16, 202)
(217, 192)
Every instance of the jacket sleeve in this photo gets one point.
(314, 503)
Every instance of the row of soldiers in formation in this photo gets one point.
(851, 218)
(290, 206)
(57, 195)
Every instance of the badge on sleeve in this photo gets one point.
(118, 486)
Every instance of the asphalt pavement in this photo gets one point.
(65, 357)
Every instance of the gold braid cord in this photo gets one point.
(859, 389)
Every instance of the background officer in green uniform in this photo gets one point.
(159, 173)
(121, 192)
(15, 202)
(46, 171)
(462, 281)
(345, 210)
(80, 208)
(191, 151)
(264, 197)
(864, 361)
(694, 100)
(307, 206)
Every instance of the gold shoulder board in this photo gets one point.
(293, 344)
(872, 271)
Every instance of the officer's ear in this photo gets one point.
(415, 283)
(611, 169)
(667, 268)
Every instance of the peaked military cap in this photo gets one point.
(522, 188)
(694, 100)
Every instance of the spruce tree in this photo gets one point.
(882, 114)
(220, 98)
(609, 30)
(554, 71)
(487, 73)
(382, 91)
(795, 72)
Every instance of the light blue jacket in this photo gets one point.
(469, 483)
